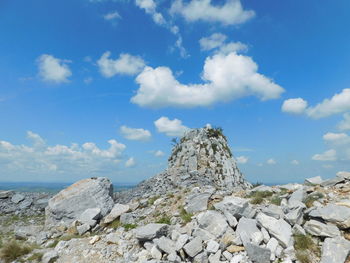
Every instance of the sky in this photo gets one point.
(100, 87)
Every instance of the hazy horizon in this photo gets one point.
(100, 87)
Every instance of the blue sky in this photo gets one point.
(99, 88)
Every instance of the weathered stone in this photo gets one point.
(233, 205)
(83, 229)
(50, 257)
(274, 211)
(215, 258)
(317, 228)
(313, 180)
(26, 203)
(6, 194)
(212, 221)
(181, 241)
(298, 230)
(235, 249)
(197, 203)
(333, 181)
(232, 221)
(117, 211)
(71, 202)
(248, 231)
(203, 234)
(212, 246)
(335, 250)
(16, 198)
(128, 218)
(272, 245)
(90, 215)
(279, 229)
(166, 245)
(156, 254)
(296, 199)
(258, 254)
(336, 214)
(151, 231)
(295, 216)
(193, 247)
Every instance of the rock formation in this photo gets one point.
(201, 157)
(69, 204)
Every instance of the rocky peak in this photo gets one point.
(202, 157)
(205, 152)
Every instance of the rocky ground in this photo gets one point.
(192, 222)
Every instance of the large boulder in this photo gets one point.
(339, 215)
(335, 250)
(69, 204)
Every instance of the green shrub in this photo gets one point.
(186, 217)
(36, 257)
(305, 247)
(114, 224)
(276, 200)
(13, 250)
(312, 198)
(152, 200)
(164, 220)
(127, 227)
(256, 200)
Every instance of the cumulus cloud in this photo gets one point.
(112, 16)
(242, 159)
(339, 103)
(53, 69)
(42, 159)
(217, 41)
(294, 106)
(226, 77)
(170, 127)
(230, 13)
(136, 134)
(130, 162)
(149, 6)
(126, 64)
(330, 155)
(271, 161)
(158, 153)
(344, 125)
(213, 41)
(295, 162)
(339, 138)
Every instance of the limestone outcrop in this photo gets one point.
(70, 203)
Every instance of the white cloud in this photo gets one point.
(294, 106)
(62, 160)
(53, 69)
(344, 125)
(330, 155)
(170, 127)
(150, 8)
(136, 134)
(126, 64)
(230, 13)
(295, 162)
(271, 161)
(130, 162)
(242, 159)
(159, 153)
(339, 138)
(213, 41)
(226, 77)
(217, 41)
(339, 103)
(112, 16)
(88, 80)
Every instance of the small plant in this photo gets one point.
(36, 257)
(257, 184)
(215, 132)
(256, 200)
(164, 220)
(13, 250)
(170, 195)
(304, 247)
(114, 224)
(312, 198)
(127, 227)
(186, 217)
(152, 200)
(276, 200)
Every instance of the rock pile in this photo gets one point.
(202, 157)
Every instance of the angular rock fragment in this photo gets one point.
(150, 231)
